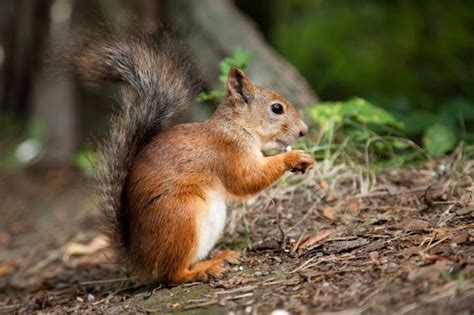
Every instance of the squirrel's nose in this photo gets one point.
(303, 131)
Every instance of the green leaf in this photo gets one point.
(439, 139)
(367, 112)
(210, 96)
(240, 59)
(400, 144)
(458, 108)
(358, 109)
(414, 123)
(359, 134)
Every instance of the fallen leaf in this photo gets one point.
(6, 267)
(90, 260)
(460, 237)
(97, 244)
(330, 212)
(323, 184)
(292, 281)
(310, 241)
(434, 258)
(375, 246)
(442, 250)
(354, 205)
(410, 251)
(345, 246)
(330, 198)
(416, 225)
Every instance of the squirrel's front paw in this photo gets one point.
(298, 161)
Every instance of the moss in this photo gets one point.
(167, 300)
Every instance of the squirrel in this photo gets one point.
(163, 188)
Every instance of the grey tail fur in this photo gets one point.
(158, 82)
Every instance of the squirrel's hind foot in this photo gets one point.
(206, 270)
(227, 255)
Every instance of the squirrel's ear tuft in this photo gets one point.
(239, 86)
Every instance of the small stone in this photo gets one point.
(288, 148)
(248, 310)
(442, 168)
(241, 268)
(392, 266)
(90, 298)
(280, 312)
(147, 294)
(258, 273)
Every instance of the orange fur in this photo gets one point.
(163, 190)
(167, 185)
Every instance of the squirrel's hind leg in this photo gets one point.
(206, 269)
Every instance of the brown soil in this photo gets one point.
(335, 240)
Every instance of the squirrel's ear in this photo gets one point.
(239, 86)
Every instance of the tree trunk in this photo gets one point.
(23, 27)
(215, 28)
(54, 98)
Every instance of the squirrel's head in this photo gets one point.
(263, 112)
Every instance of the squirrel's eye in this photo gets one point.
(277, 108)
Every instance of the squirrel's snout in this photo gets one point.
(303, 131)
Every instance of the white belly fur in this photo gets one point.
(211, 224)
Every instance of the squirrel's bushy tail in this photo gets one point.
(157, 83)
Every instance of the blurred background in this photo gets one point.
(413, 59)
(384, 221)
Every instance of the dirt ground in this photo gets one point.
(335, 241)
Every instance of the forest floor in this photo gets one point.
(335, 241)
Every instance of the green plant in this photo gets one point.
(363, 131)
(325, 114)
(438, 139)
(241, 59)
(412, 58)
(442, 129)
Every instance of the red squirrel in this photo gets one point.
(163, 189)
